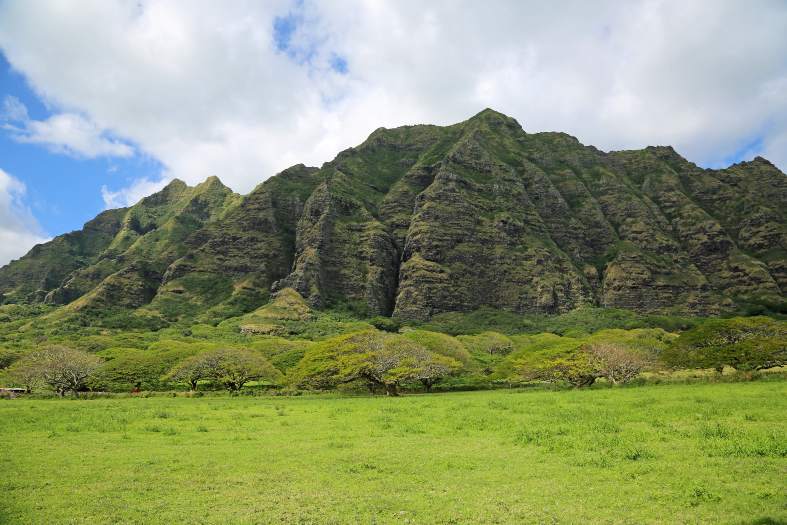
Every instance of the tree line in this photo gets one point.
(387, 362)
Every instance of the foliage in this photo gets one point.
(61, 368)
(477, 321)
(139, 357)
(26, 373)
(190, 371)
(615, 362)
(8, 357)
(282, 353)
(232, 368)
(745, 344)
(492, 343)
(442, 344)
(579, 321)
(575, 368)
(127, 368)
(376, 358)
(581, 360)
(386, 324)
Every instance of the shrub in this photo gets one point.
(8, 357)
(747, 344)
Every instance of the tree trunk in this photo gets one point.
(391, 390)
(427, 385)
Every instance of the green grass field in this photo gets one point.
(703, 453)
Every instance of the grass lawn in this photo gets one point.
(703, 453)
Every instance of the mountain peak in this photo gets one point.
(763, 161)
(493, 118)
(175, 184)
(210, 183)
(489, 113)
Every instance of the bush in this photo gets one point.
(747, 344)
(8, 357)
(386, 324)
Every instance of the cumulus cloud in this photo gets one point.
(66, 133)
(19, 230)
(244, 89)
(131, 194)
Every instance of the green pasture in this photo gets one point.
(698, 453)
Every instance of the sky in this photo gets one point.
(104, 101)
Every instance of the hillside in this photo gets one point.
(421, 220)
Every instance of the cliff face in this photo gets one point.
(424, 219)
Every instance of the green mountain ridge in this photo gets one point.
(421, 220)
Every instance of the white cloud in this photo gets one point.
(19, 230)
(201, 86)
(131, 194)
(14, 110)
(66, 133)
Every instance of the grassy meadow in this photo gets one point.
(701, 453)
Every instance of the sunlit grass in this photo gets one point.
(705, 453)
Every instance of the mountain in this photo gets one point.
(420, 220)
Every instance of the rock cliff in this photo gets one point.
(421, 220)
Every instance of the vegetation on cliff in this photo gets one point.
(423, 220)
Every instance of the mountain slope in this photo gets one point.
(423, 219)
(121, 261)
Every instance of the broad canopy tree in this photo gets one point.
(378, 359)
(61, 368)
(26, 373)
(232, 368)
(574, 368)
(581, 366)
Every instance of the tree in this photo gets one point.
(378, 359)
(189, 371)
(435, 368)
(26, 374)
(60, 367)
(391, 360)
(232, 368)
(574, 368)
(743, 343)
(614, 362)
(235, 368)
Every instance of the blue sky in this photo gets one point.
(63, 191)
(104, 104)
